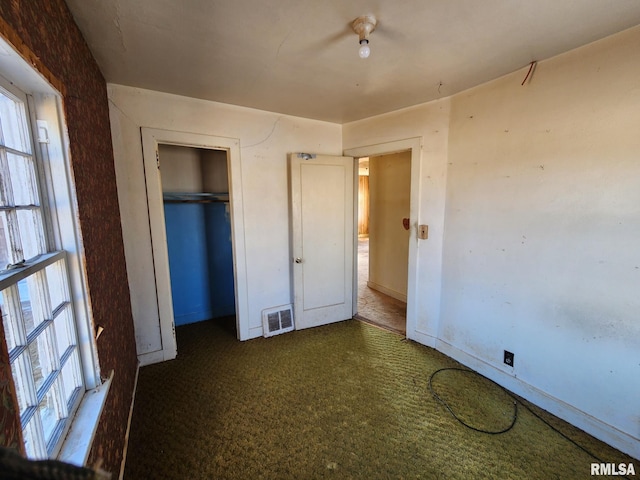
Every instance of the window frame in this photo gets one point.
(52, 322)
(50, 144)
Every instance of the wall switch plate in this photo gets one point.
(423, 232)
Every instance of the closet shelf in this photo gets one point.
(189, 197)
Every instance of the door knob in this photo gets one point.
(298, 260)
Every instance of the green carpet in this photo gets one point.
(342, 401)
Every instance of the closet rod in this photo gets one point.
(188, 197)
(196, 201)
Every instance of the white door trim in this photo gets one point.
(415, 146)
(151, 138)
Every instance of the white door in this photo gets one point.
(323, 240)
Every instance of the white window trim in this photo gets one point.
(46, 109)
(53, 145)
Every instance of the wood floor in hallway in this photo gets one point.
(375, 307)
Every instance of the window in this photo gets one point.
(43, 299)
(35, 300)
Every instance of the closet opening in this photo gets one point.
(195, 190)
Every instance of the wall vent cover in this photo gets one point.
(277, 320)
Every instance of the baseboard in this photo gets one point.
(145, 359)
(126, 435)
(600, 430)
(387, 291)
(422, 338)
(255, 332)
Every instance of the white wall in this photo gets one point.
(265, 139)
(540, 252)
(543, 220)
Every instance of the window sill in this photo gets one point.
(77, 444)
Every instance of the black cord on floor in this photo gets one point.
(515, 411)
(438, 398)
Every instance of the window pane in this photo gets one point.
(20, 369)
(8, 326)
(57, 283)
(6, 197)
(11, 326)
(65, 335)
(71, 376)
(12, 121)
(34, 447)
(23, 179)
(5, 245)
(31, 232)
(41, 361)
(11, 243)
(25, 304)
(50, 410)
(39, 297)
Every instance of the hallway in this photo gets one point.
(374, 307)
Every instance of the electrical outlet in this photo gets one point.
(508, 358)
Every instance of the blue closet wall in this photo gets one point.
(220, 258)
(200, 260)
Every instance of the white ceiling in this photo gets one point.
(300, 57)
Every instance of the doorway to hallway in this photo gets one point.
(383, 239)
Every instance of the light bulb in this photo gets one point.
(364, 50)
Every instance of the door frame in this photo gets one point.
(414, 145)
(151, 138)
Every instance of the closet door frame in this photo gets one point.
(151, 138)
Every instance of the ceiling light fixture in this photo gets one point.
(363, 26)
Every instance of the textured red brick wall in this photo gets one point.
(10, 430)
(45, 33)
